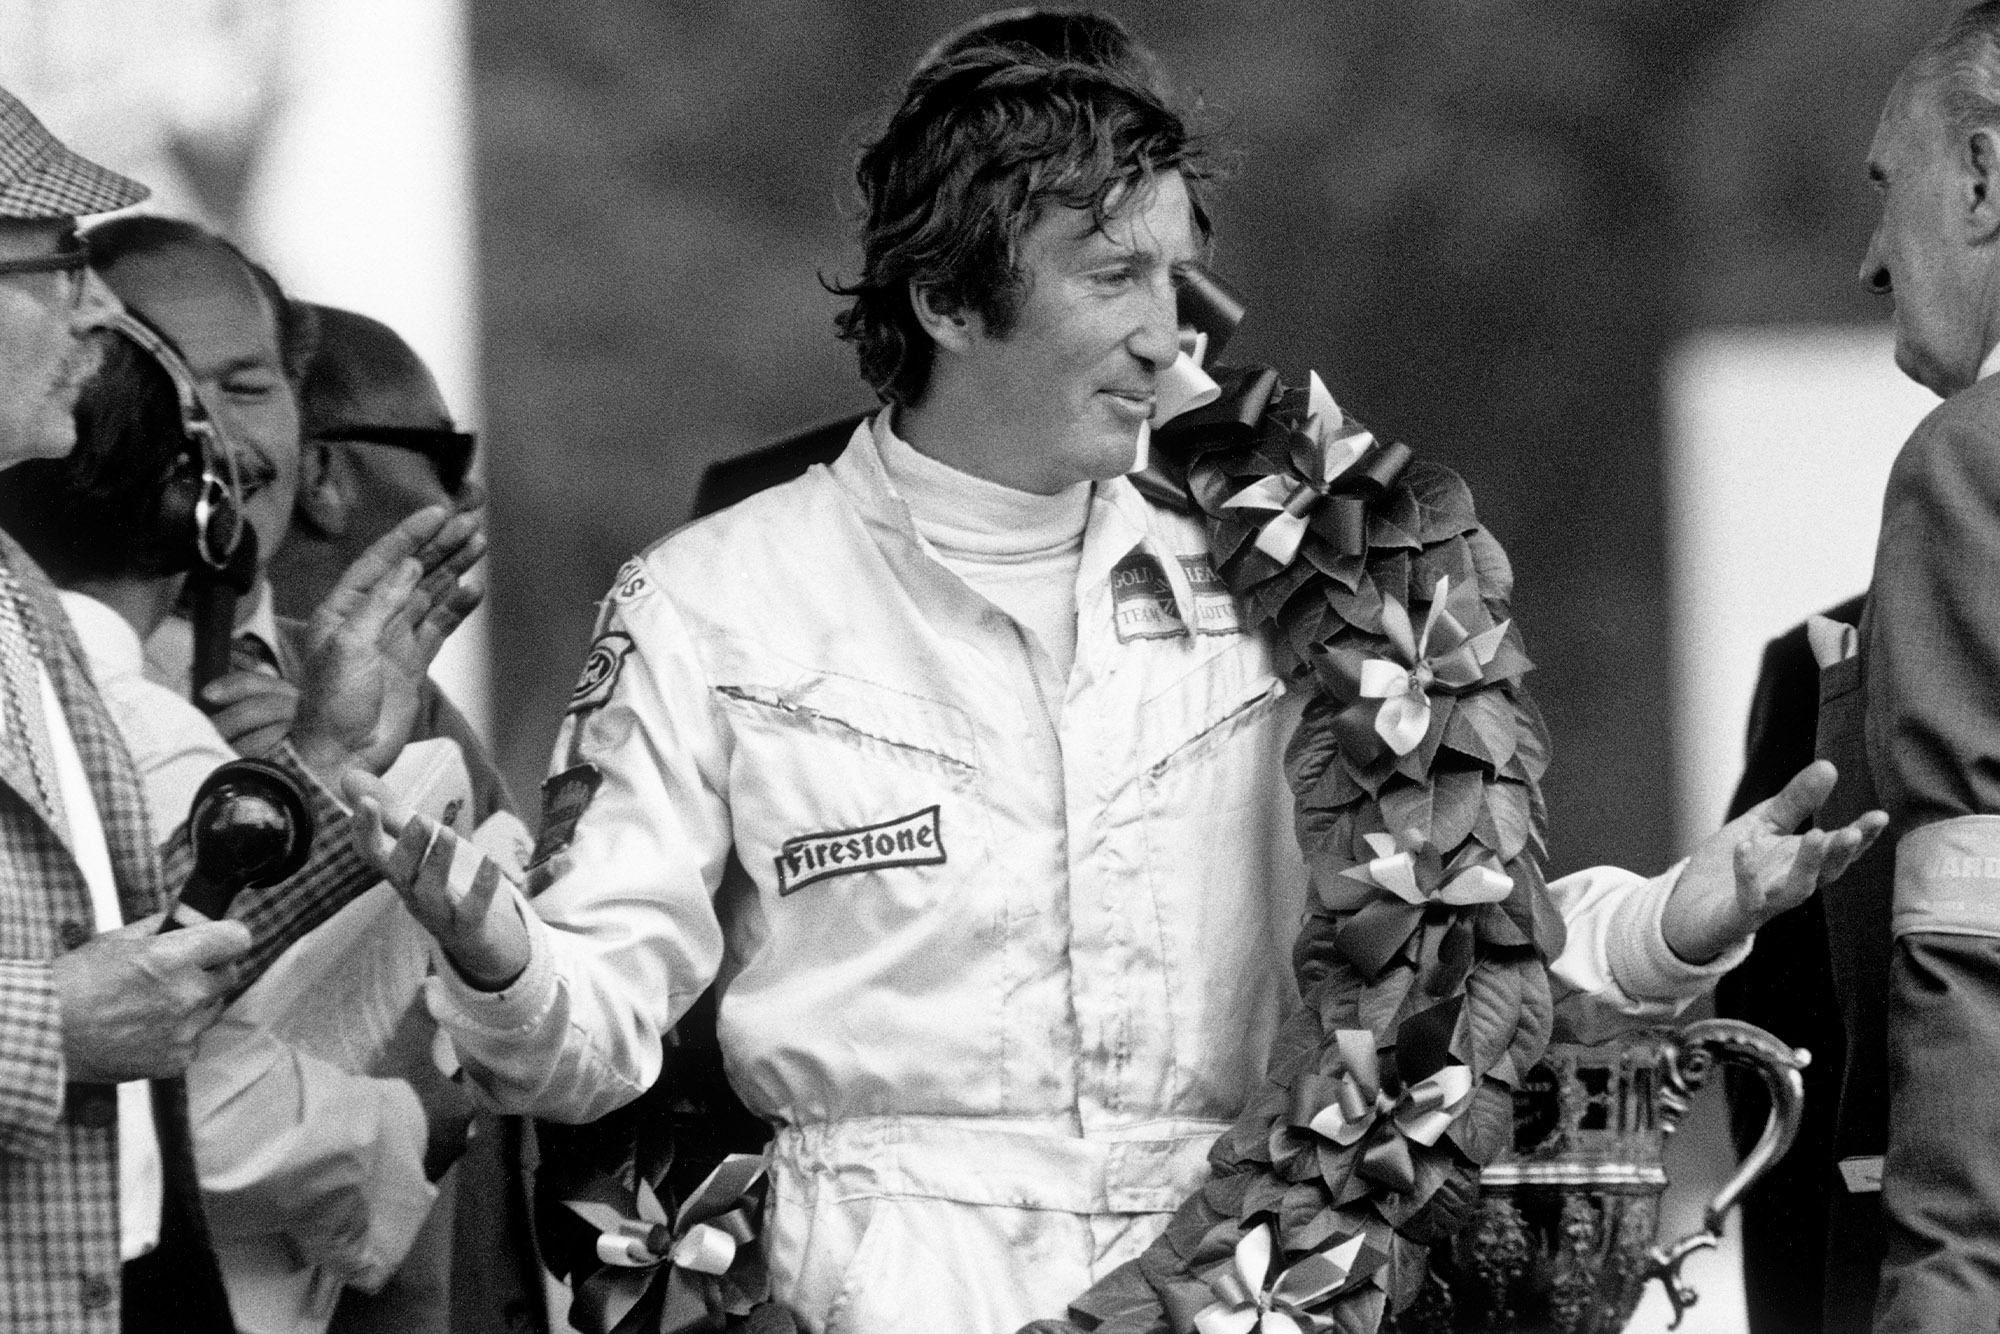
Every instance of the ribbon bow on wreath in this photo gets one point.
(1389, 699)
(675, 1279)
(1415, 877)
(1335, 469)
(1293, 1303)
(1351, 1114)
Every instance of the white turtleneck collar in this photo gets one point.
(961, 514)
(1017, 549)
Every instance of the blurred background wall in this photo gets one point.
(1488, 223)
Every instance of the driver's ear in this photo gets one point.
(328, 489)
(949, 329)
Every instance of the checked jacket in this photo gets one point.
(60, 1271)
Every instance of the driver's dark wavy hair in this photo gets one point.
(984, 143)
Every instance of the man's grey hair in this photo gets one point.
(1959, 71)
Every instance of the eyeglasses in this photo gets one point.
(72, 257)
(449, 452)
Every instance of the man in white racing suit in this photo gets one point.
(953, 768)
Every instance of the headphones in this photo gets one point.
(200, 509)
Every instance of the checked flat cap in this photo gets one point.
(39, 178)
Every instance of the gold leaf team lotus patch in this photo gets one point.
(1142, 601)
(910, 840)
(601, 667)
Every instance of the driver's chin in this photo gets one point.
(1120, 455)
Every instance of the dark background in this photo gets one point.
(1484, 222)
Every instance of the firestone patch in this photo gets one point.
(916, 839)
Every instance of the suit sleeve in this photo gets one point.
(31, 1064)
(280, 915)
(624, 932)
(1616, 971)
(294, 1147)
(1932, 681)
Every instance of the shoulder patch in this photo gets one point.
(916, 839)
(632, 580)
(1142, 601)
(565, 797)
(1215, 610)
(601, 668)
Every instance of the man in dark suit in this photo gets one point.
(1786, 986)
(1916, 941)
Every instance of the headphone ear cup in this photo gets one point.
(177, 529)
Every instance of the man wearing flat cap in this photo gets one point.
(101, 1227)
(96, 1170)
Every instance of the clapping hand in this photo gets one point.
(1755, 867)
(454, 890)
(371, 641)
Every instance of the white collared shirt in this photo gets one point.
(313, 1174)
(173, 743)
(141, 1185)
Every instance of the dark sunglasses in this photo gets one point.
(449, 452)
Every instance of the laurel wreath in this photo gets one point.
(1423, 960)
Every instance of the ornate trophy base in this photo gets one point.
(1562, 1240)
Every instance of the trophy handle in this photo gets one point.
(1687, 1059)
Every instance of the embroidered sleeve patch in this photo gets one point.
(1142, 601)
(631, 581)
(565, 797)
(911, 840)
(1214, 609)
(601, 667)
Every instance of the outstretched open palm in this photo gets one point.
(1756, 867)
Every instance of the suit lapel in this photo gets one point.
(107, 765)
(16, 774)
(17, 770)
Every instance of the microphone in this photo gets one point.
(213, 595)
(248, 827)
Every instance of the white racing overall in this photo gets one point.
(997, 978)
